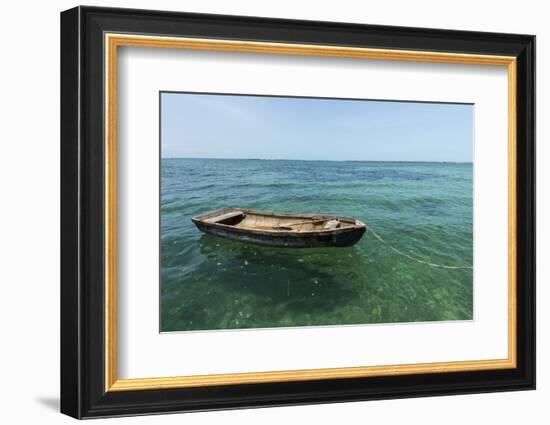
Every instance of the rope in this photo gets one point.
(413, 258)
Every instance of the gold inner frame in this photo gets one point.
(113, 41)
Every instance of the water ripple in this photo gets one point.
(424, 209)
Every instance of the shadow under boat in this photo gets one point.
(297, 278)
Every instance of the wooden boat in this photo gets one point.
(281, 229)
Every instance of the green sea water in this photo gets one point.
(422, 209)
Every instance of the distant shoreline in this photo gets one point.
(323, 160)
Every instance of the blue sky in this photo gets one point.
(228, 126)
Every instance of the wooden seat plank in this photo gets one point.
(223, 217)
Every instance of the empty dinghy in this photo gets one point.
(281, 229)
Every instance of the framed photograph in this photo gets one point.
(261, 212)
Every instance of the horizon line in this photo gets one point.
(321, 160)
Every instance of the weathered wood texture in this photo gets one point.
(281, 229)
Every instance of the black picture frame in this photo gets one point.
(83, 392)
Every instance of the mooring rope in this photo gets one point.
(413, 258)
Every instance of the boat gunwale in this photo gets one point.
(353, 223)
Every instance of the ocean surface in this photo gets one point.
(422, 209)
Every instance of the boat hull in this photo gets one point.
(343, 237)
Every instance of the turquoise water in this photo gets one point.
(423, 209)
